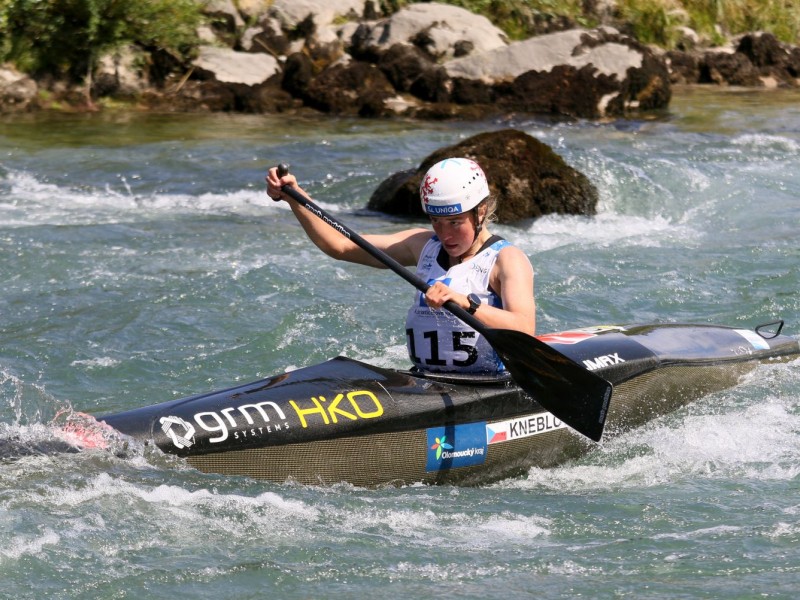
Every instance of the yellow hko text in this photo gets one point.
(364, 405)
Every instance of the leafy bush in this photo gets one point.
(654, 21)
(657, 21)
(67, 37)
(779, 17)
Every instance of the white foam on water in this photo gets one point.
(766, 147)
(388, 521)
(30, 201)
(29, 545)
(606, 230)
(716, 438)
(700, 533)
(29, 403)
(393, 357)
(174, 510)
(444, 573)
(785, 530)
(572, 568)
(504, 528)
(100, 362)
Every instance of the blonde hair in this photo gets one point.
(491, 209)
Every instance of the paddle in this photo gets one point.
(573, 394)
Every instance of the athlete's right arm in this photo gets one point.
(403, 246)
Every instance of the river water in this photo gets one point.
(141, 261)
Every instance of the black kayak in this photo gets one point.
(347, 421)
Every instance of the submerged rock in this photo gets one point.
(528, 179)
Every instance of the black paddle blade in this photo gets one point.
(573, 394)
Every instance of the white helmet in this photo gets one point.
(453, 186)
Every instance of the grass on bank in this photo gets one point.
(659, 21)
(651, 21)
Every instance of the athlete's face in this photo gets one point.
(456, 232)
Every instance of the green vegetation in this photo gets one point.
(65, 38)
(658, 21)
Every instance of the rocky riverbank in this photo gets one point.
(429, 60)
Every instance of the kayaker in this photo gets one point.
(463, 262)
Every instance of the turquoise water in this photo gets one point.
(141, 262)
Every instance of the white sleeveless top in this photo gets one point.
(438, 340)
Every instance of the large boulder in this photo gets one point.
(18, 92)
(528, 179)
(314, 27)
(292, 13)
(227, 80)
(355, 88)
(229, 66)
(441, 30)
(224, 14)
(222, 79)
(729, 69)
(267, 36)
(120, 74)
(684, 67)
(773, 59)
(251, 10)
(407, 66)
(757, 60)
(577, 73)
(224, 19)
(212, 96)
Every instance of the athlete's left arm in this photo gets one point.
(512, 278)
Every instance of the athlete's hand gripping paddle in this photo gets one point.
(573, 394)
